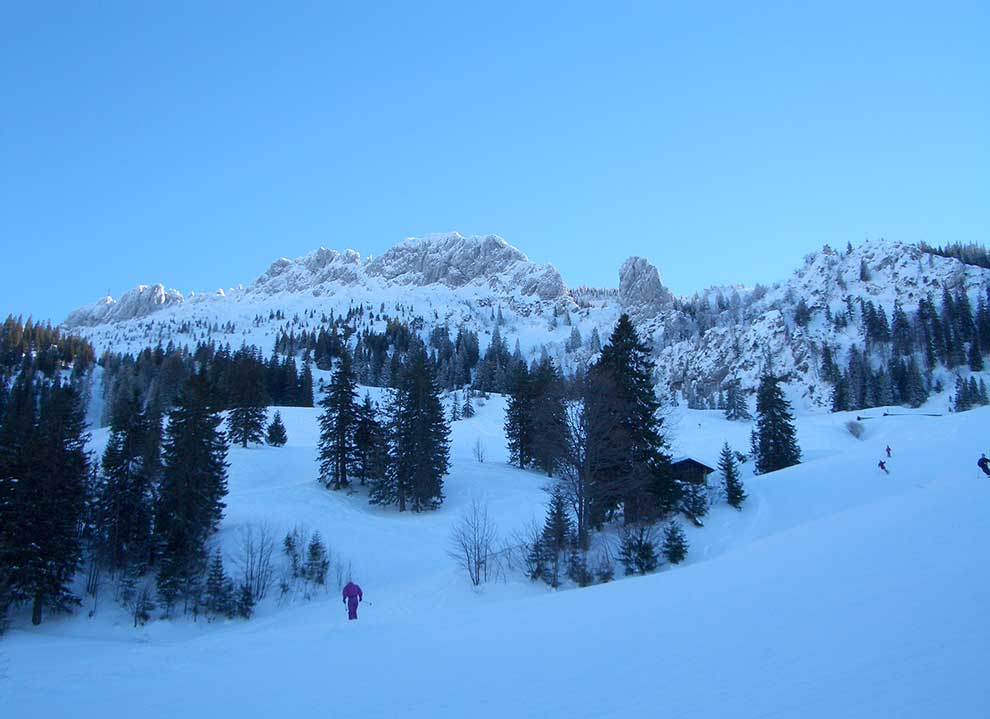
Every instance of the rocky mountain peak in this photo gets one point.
(641, 291)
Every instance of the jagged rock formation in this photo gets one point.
(140, 302)
(641, 292)
(719, 334)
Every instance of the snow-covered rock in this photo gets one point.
(641, 291)
(140, 302)
(722, 332)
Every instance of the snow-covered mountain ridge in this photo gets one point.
(699, 341)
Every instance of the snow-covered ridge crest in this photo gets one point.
(140, 302)
(455, 261)
(487, 262)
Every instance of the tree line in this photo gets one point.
(233, 377)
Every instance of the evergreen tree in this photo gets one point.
(840, 394)
(556, 538)
(47, 475)
(675, 544)
(975, 356)
(961, 402)
(247, 399)
(774, 437)
(194, 483)
(317, 561)
(548, 423)
(418, 441)
(17, 426)
(901, 334)
(455, 408)
(245, 602)
(640, 480)
(519, 417)
(369, 443)
(275, 433)
(575, 341)
(595, 343)
(219, 591)
(305, 386)
(735, 402)
(125, 492)
(337, 426)
(557, 527)
(734, 492)
(695, 500)
(468, 411)
(638, 550)
(917, 395)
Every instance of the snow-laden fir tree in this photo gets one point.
(774, 437)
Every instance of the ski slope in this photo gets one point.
(837, 592)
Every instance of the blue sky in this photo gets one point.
(193, 143)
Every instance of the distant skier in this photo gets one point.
(352, 595)
(888, 451)
(883, 466)
(984, 464)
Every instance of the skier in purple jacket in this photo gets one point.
(352, 595)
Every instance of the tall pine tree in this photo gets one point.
(125, 491)
(418, 440)
(247, 398)
(338, 424)
(734, 492)
(774, 438)
(48, 501)
(640, 481)
(194, 483)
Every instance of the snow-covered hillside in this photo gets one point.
(700, 342)
(837, 591)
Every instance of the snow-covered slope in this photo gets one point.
(837, 591)
(721, 333)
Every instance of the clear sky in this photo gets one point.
(192, 143)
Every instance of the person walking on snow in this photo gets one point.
(984, 464)
(883, 466)
(352, 595)
(888, 451)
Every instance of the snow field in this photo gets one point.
(837, 591)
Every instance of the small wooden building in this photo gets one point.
(689, 469)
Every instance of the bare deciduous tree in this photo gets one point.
(472, 543)
(255, 561)
(478, 450)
